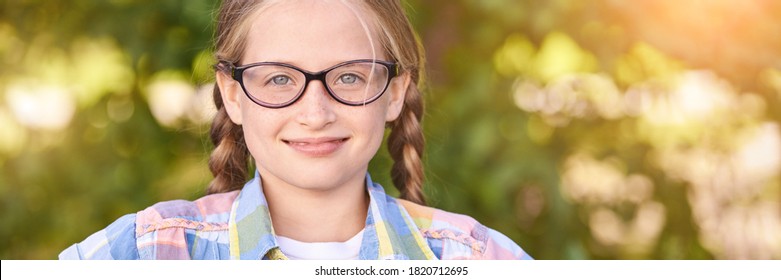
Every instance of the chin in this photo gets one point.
(315, 174)
(315, 178)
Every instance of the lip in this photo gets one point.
(317, 146)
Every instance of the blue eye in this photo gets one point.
(348, 79)
(280, 80)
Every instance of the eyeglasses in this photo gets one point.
(278, 85)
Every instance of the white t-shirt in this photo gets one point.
(297, 250)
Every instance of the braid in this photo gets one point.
(229, 159)
(405, 144)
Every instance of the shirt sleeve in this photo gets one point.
(115, 242)
(499, 246)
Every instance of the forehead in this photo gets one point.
(312, 34)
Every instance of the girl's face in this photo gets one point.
(316, 143)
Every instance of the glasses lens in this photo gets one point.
(272, 84)
(358, 82)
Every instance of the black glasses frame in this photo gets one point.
(237, 73)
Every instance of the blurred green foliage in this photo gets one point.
(581, 129)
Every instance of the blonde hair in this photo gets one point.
(229, 161)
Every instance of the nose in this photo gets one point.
(315, 108)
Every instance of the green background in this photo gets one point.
(580, 129)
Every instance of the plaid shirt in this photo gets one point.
(237, 225)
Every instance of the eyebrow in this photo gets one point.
(312, 70)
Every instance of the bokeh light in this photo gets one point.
(581, 129)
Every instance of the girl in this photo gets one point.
(306, 89)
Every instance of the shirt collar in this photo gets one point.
(389, 232)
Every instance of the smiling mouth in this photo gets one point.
(316, 147)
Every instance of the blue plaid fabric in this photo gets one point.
(237, 225)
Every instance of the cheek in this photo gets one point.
(373, 123)
(259, 127)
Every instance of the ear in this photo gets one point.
(398, 91)
(231, 91)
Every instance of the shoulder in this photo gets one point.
(182, 229)
(457, 236)
(208, 210)
(138, 235)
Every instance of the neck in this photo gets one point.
(316, 215)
